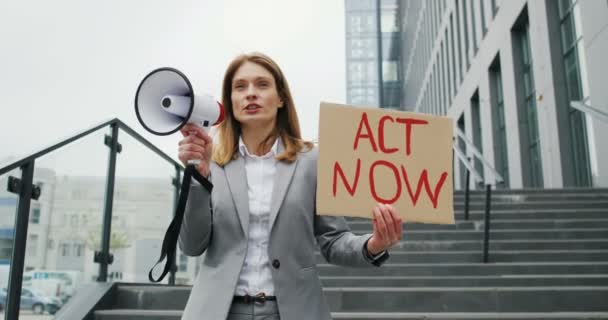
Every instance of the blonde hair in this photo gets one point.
(287, 125)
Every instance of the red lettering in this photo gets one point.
(369, 135)
(338, 170)
(408, 131)
(424, 179)
(381, 135)
(372, 182)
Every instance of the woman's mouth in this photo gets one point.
(252, 108)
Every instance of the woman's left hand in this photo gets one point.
(387, 229)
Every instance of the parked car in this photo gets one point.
(31, 300)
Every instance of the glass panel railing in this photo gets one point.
(143, 208)
(64, 225)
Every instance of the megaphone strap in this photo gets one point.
(172, 233)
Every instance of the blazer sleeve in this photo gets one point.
(338, 244)
(195, 233)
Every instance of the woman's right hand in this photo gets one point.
(196, 145)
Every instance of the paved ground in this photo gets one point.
(28, 315)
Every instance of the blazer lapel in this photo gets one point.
(237, 182)
(282, 180)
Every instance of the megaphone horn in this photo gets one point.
(165, 102)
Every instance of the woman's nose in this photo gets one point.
(251, 93)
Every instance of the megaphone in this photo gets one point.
(165, 102)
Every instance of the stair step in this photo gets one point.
(496, 256)
(499, 245)
(464, 269)
(137, 314)
(523, 214)
(495, 224)
(466, 281)
(151, 297)
(510, 198)
(535, 191)
(467, 299)
(506, 234)
(534, 204)
(469, 315)
(134, 314)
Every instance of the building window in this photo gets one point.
(476, 128)
(362, 48)
(459, 39)
(74, 220)
(500, 127)
(390, 71)
(454, 82)
(363, 96)
(356, 25)
(389, 21)
(78, 249)
(578, 129)
(463, 148)
(436, 87)
(465, 20)
(444, 96)
(35, 215)
(534, 174)
(64, 249)
(474, 26)
(360, 72)
(494, 8)
(482, 9)
(32, 245)
(361, 23)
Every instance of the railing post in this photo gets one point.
(486, 236)
(104, 257)
(466, 195)
(15, 281)
(176, 187)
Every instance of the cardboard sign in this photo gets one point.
(371, 155)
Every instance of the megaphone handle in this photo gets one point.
(194, 162)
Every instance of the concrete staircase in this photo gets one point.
(548, 252)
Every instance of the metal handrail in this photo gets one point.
(590, 110)
(497, 178)
(27, 191)
(471, 146)
(83, 134)
(465, 160)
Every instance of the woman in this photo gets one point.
(258, 228)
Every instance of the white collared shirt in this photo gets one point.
(256, 276)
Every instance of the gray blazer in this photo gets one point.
(295, 232)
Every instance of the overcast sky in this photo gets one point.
(68, 65)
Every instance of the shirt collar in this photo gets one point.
(244, 152)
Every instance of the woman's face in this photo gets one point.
(255, 100)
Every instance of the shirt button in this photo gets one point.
(276, 263)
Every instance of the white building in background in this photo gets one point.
(65, 225)
(505, 71)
